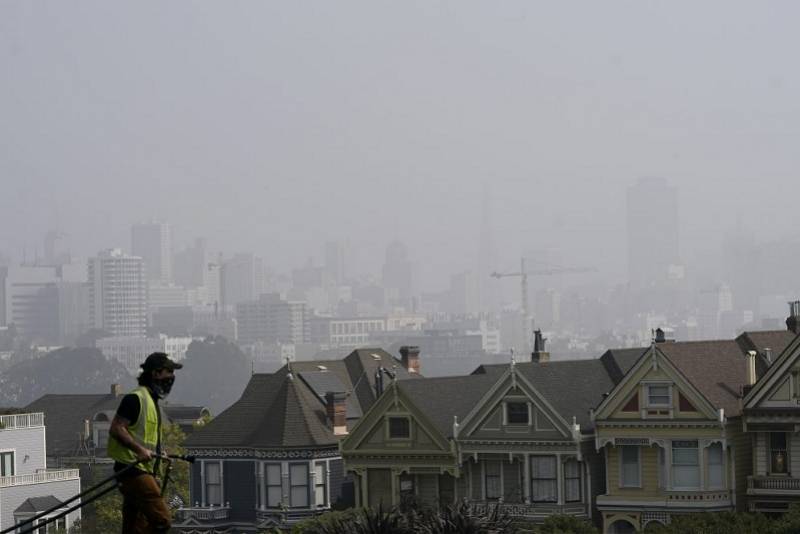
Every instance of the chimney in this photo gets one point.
(539, 354)
(336, 408)
(793, 321)
(116, 390)
(751, 367)
(409, 355)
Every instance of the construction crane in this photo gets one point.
(523, 273)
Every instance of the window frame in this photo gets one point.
(267, 485)
(579, 479)
(527, 412)
(697, 465)
(622, 483)
(554, 478)
(321, 483)
(12, 453)
(306, 485)
(389, 419)
(207, 484)
(669, 401)
(721, 465)
(487, 476)
(771, 449)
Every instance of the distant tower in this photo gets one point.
(118, 293)
(487, 259)
(398, 271)
(152, 241)
(652, 220)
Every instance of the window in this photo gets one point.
(274, 489)
(320, 475)
(572, 481)
(399, 428)
(544, 484)
(517, 413)
(6, 464)
(715, 466)
(298, 482)
(491, 472)
(685, 465)
(658, 395)
(213, 477)
(629, 466)
(779, 461)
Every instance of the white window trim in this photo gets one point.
(699, 469)
(639, 461)
(769, 454)
(669, 387)
(13, 459)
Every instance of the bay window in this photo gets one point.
(213, 483)
(274, 490)
(544, 481)
(630, 472)
(685, 465)
(320, 484)
(572, 481)
(298, 482)
(715, 466)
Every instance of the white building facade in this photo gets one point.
(118, 293)
(27, 487)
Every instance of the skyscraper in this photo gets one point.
(152, 241)
(398, 272)
(118, 293)
(652, 220)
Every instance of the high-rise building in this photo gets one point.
(152, 241)
(398, 272)
(242, 279)
(118, 293)
(336, 260)
(652, 220)
(271, 319)
(193, 265)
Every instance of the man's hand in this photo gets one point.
(144, 455)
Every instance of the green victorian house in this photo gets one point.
(518, 436)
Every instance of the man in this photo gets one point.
(135, 439)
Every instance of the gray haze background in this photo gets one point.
(274, 127)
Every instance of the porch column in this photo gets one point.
(560, 479)
(526, 484)
(395, 475)
(364, 496)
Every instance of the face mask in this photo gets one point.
(162, 386)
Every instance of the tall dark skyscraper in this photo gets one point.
(152, 241)
(652, 211)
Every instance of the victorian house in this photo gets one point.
(772, 422)
(273, 458)
(517, 436)
(671, 434)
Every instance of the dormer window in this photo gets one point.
(517, 413)
(399, 428)
(659, 396)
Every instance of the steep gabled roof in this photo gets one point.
(617, 362)
(284, 409)
(37, 504)
(442, 399)
(718, 369)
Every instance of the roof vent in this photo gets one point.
(376, 357)
(322, 368)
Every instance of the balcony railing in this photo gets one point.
(204, 513)
(766, 485)
(21, 420)
(532, 511)
(698, 496)
(42, 477)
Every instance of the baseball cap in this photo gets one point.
(159, 360)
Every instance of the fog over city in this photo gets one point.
(641, 158)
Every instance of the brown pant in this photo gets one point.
(143, 509)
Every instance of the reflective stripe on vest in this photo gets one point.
(144, 430)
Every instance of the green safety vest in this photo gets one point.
(146, 430)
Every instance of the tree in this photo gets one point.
(62, 371)
(215, 374)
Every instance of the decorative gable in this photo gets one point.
(780, 385)
(394, 423)
(514, 409)
(655, 389)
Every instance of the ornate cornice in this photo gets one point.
(260, 454)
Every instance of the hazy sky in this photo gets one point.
(275, 126)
